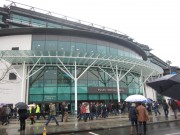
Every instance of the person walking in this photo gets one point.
(23, 115)
(165, 108)
(156, 108)
(133, 118)
(62, 110)
(52, 114)
(4, 115)
(174, 107)
(142, 117)
(38, 111)
(32, 114)
(65, 112)
(43, 112)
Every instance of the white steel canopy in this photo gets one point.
(81, 59)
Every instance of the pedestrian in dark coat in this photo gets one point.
(22, 118)
(133, 118)
(174, 107)
(165, 108)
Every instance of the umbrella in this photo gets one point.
(149, 100)
(136, 98)
(2, 104)
(21, 105)
(168, 85)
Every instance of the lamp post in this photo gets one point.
(169, 63)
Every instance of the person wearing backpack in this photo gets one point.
(133, 118)
(52, 114)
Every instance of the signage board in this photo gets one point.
(104, 90)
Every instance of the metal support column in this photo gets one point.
(141, 82)
(23, 80)
(117, 81)
(75, 86)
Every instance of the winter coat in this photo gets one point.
(165, 106)
(52, 109)
(142, 113)
(132, 113)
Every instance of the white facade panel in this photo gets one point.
(10, 90)
(21, 41)
(150, 93)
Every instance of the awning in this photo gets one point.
(82, 59)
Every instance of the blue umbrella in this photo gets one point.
(149, 100)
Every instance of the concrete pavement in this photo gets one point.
(73, 125)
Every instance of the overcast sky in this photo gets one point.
(155, 23)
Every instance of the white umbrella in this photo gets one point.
(136, 98)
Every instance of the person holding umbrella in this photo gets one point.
(133, 118)
(23, 114)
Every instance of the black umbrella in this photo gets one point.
(168, 85)
(21, 105)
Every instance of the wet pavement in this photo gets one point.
(73, 125)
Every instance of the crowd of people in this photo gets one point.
(138, 113)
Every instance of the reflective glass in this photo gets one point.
(34, 98)
(51, 45)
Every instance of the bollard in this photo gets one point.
(44, 131)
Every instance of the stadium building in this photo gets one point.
(47, 57)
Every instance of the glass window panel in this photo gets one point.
(115, 96)
(93, 83)
(64, 97)
(72, 97)
(50, 90)
(34, 98)
(36, 91)
(64, 90)
(113, 51)
(53, 25)
(51, 83)
(123, 96)
(93, 97)
(51, 45)
(64, 46)
(50, 74)
(82, 89)
(37, 83)
(91, 48)
(82, 82)
(39, 23)
(104, 97)
(101, 49)
(132, 91)
(38, 45)
(82, 96)
(81, 47)
(50, 97)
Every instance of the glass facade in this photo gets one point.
(72, 43)
(51, 84)
(36, 22)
